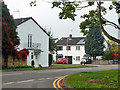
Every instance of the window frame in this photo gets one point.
(68, 49)
(77, 58)
(59, 48)
(77, 48)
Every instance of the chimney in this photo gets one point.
(70, 36)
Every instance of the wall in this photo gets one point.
(102, 62)
(16, 62)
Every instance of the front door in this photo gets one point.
(69, 59)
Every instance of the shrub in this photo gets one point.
(111, 55)
(22, 54)
(40, 66)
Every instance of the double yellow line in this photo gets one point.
(56, 83)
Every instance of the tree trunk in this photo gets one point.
(102, 28)
(6, 61)
(94, 57)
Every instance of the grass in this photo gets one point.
(98, 79)
(51, 67)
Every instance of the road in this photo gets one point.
(43, 78)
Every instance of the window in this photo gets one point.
(60, 48)
(77, 58)
(32, 56)
(68, 48)
(29, 40)
(77, 48)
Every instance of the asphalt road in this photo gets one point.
(43, 78)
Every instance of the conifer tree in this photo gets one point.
(94, 42)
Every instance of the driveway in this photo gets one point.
(43, 78)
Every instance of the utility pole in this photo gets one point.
(67, 48)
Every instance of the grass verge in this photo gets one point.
(51, 67)
(98, 79)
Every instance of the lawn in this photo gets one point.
(98, 79)
(55, 66)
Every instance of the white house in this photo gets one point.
(34, 38)
(71, 48)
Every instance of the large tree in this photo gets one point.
(94, 42)
(9, 34)
(69, 8)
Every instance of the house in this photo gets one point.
(71, 48)
(34, 38)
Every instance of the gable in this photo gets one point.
(23, 20)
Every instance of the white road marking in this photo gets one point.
(41, 79)
(25, 81)
(11, 74)
(48, 78)
(9, 83)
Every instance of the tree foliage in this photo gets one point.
(68, 10)
(52, 44)
(9, 34)
(113, 46)
(94, 42)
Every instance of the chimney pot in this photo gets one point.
(70, 36)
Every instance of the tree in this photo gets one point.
(94, 42)
(9, 34)
(69, 8)
(113, 46)
(52, 44)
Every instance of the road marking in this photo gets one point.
(57, 81)
(41, 79)
(9, 83)
(25, 81)
(11, 74)
(48, 78)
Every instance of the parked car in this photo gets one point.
(83, 61)
(62, 61)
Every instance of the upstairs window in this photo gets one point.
(77, 48)
(29, 40)
(60, 48)
(68, 48)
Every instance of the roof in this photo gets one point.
(72, 41)
(22, 20)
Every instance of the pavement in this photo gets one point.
(43, 79)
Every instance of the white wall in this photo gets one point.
(73, 52)
(38, 36)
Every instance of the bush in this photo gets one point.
(111, 55)
(40, 65)
(107, 55)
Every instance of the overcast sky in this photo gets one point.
(48, 17)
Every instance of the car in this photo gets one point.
(83, 61)
(62, 61)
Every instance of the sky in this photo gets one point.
(48, 17)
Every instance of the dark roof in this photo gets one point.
(72, 41)
(22, 20)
